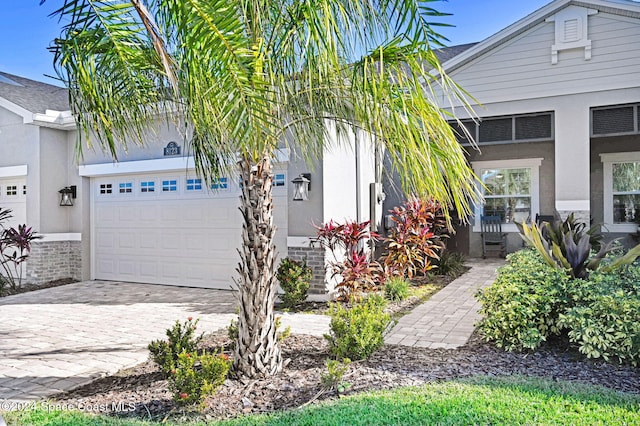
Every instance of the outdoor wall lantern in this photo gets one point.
(301, 187)
(67, 195)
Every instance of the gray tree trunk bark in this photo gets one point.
(257, 352)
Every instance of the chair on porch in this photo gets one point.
(541, 218)
(493, 239)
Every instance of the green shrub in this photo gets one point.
(358, 331)
(332, 378)
(520, 309)
(450, 263)
(605, 321)
(181, 338)
(197, 375)
(396, 289)
(294, 277)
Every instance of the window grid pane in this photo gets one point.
(194, 184)
(106, 188)
(626, 192)
(126, 187)
(279, 179)
(170, 185)
(149, 186)
(222, 183)
(12, 190)
(507, 193)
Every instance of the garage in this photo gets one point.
(170, 228)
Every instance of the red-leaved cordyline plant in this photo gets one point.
(416, 238)
(347, 243)
(15, 248)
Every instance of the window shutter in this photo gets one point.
(613, 120)
(533, 127)
(496, 130)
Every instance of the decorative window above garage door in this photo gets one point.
(506, 129)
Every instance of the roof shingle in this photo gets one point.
(34, 96)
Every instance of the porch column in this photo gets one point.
(572, 159)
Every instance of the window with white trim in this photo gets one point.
(125, 187)
(24, 189)
(147, 186)
(194, 184)
(279, 179)
(511, 190)
(220, 183)
(169, 185)
(621, 191)
(106, 188)
(12, 190)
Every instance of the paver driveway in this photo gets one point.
(56, 339)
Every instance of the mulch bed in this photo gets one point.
(392, 366)
(299, 384)
(7, 291)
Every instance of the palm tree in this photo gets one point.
(246, 76)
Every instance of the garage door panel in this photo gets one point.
(148, 269)
(127, 268)
(106, 267)
(177, 238)
(126, 240)
(105, 240)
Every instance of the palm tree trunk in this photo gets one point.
(257, 353)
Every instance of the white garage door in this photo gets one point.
(13, 195)
(170, 229)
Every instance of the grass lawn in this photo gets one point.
(508, 401)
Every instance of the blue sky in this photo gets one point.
(26, 29)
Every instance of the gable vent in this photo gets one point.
(571, 30)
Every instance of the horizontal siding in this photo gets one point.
(521, 68)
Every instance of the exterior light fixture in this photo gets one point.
(301, 187)
(67, 195)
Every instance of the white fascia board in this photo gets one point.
(13, 171)
(55, 119)
(142, 166)
(151, 166)
(27, 116)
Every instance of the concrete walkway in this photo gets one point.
(57, 339)
(447, 319)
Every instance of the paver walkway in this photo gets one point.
(56, 339)
(447, 319)
(59, 338)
